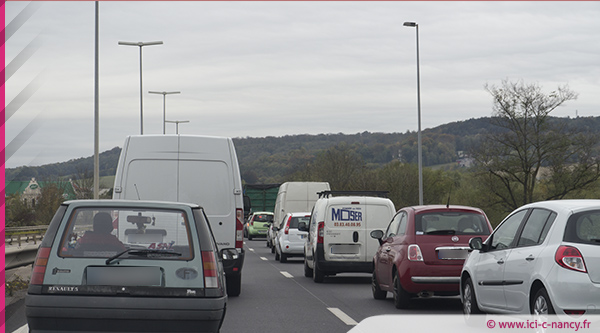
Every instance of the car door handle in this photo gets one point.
(530, 258)
(501, 261)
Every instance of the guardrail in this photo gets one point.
(21, 245)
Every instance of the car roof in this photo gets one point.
(129, 203)
(294, 214)
(425, 208)
(262, 213)
(567, 205)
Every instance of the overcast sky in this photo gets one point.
(256, 69)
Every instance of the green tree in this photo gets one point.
(17, 212)
(526, 147)
(49, 201)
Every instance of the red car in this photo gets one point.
(422, 252)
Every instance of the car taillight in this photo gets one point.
(239, 229)
(414, 253)
(569, 257)
(39, 266)
(209, 268)
(320, 231)
(287, 226)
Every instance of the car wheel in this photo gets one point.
(234, 285)
(249, 236)
(282, 258)
(541, 304)
(268, 245)
(308, 272)
(318, 275)
(401, 297)
(469, 300)
(377, 292)
(272, 248)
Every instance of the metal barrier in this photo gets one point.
(21, 245)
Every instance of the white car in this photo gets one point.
(544, 258)
(289, 241)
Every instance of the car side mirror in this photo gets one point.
(476, 243)
(302, 226)
(378, 235)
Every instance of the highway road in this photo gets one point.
(276, 297)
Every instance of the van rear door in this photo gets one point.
(344, 238)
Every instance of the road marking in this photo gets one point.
(342, 316)
(264, 258)
(250, 249)
(287, 275)
(22, 329)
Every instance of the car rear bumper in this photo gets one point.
(72, 313)
(342, 266)
(418, 276)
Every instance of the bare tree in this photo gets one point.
(529, 148)
(83, 183)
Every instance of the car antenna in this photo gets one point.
(136, 191)
(448, 203)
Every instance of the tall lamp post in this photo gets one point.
(164, 93)
(419, 144)
(140, 45)
(177, 122)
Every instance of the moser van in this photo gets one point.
(193, 169)
(339, 228)
(294, 197)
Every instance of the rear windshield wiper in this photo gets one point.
(441, 232)
(142, 252)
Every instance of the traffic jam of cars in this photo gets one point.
(131, 260)
(542, 259)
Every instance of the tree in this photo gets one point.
(18, 213)
(527, 147)
(83, 181)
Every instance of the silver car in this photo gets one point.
(544, 258)
(289, 241)
(127, 266)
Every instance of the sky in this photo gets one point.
(258, 69)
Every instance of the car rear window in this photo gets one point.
(583, 228)
(263, 218)
(451, 223)
(297, 219)
(106, 232)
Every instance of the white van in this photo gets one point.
(293, 197)
(339, 228)
(194, 169)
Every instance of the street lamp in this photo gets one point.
(140, 44)
(419, 147)
(164, 93)
(177, 122)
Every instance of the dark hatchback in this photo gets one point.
(127, 266)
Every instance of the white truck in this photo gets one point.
(293, 197)
(194, 169)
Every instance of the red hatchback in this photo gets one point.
(422, 252)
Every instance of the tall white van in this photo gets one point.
(194, 169)
(294, 197)
(339, 228)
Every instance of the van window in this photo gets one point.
(107, 232)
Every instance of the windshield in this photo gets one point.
(583, 228)
(451, 223)
(107, 232)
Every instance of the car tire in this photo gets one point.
(318, 275)
(272, 248)
(377, 292)
(277, 255)
(308, 272)
(283, 258)
(249, 236)
(401, 296)
(234, 285)
(541, 304)
(469, 299)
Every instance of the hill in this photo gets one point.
(275, 159)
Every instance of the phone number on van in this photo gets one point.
(346, 224)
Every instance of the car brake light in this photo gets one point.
(209, 268)
(39, 266)
(287, 226)
(414, 253)
(569, 257)
(575, 313)
(239, 229)
(320, 232)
